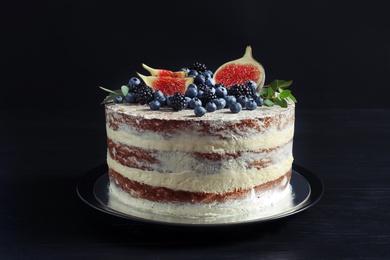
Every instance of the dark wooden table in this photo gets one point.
(44, 153)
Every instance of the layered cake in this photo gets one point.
(198, 161)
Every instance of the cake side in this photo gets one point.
(211, 161)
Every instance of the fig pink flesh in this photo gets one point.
(237, 74)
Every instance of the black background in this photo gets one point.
(55, 54)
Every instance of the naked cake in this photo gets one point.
(171, 151)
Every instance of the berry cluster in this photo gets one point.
(203, 95)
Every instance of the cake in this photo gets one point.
(180, 162)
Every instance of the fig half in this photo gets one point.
(241, 70)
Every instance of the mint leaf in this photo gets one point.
(270, 92)
(109, 90)
(280, 102)
(284, 84)
(292, 98)
(274, 85)
(108, 99)
(125, 90)
(268, 103)
(285, 93)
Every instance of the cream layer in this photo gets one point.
(267, 204)
(189, 141)
(226, 180)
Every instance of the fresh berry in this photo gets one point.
(259, 100)
(229, 100)
(185, 69)
(211, 106)
(240, 90)
(192, 73)
(242, 100)
(192, 85)
(144, 94)
(158, 94)
(188, 99)
(195, 102)
(235, 107)
(130, 97)
(251, 104)
(155, 105)
(221, 91)
(134, 81)
(202, 86)
(191, 92)
(200, 67)
(118, 99)
(200, 94)
(199, 111)
(220, 103)
(208, 96)
(199, 79)
(208, 74)
(178, 101)
(210, 82)
(251, 84)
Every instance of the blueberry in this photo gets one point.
(199, 111)
(155, 105)
(195, 102)
(191, 92)
(130, 97)
(211, 107)
(242, 100)
(251, 104)
(118, 99)
(199, 79)
(259, 100)
(192, 85)
(158, 94)
(200, 94)
(220, 103)
(235, 107)
(208, 74)
(252, 84)
(188, 99)
(168, 100)
(229, 100)
(221, 91)
(134, 81)
(210, 82)
(192, 73)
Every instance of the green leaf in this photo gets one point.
(274, 85)
(109, 90)
(280, 102)
(125, 90)
(285, 93)
(284, 84)
(263, 92)
(270, 92)
(268, 103)
(108, 99)
(292, 98)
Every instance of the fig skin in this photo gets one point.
(253, 71)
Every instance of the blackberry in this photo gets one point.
(240, 90)
(178, 101)
(200, 67)
(143, 94)
(202, 86)
(208, 96)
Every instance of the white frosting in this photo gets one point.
(227, 179)
(267, 204)
(195, 142)
(178, 168)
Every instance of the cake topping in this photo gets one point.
(236, 85)
(241, 70)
